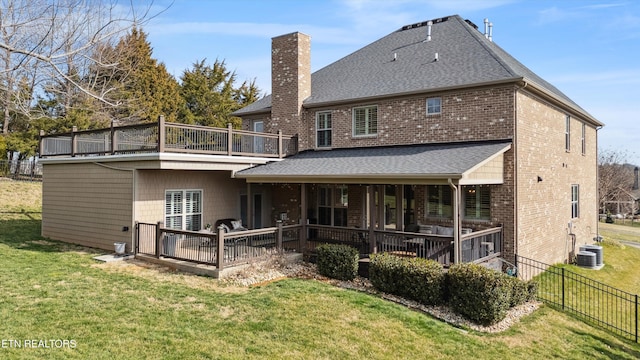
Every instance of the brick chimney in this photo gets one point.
(290, 81)
(635, 181)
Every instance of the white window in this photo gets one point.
(575, 201)
(433, 106)
(567, 133)
(258, 141)
(584, 138)
(477, 202)
(183, 209)
(439, 201)
(365, 121)
(323, 129)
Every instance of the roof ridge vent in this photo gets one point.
(471, 23)
(424, 23)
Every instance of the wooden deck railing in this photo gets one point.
(476, 246)
(241, 247)
(211, 247)
(167, 137)
(480, 245)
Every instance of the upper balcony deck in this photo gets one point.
(162, 136)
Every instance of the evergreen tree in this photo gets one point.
(144, 89)
(210, 95)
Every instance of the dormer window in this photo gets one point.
(434, 105)
(365, 121)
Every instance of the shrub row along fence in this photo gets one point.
(21, 170)
(612, 309)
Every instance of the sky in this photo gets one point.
(590, 50)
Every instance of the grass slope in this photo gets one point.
(52, 290)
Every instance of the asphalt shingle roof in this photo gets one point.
(428, 160)
(465, 58)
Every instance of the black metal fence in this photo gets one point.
(26, 170)
(610, 308)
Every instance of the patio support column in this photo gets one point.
(456, 222)
(303, 216)
(249, 207)
(373, 248)
(399, 208)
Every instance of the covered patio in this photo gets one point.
(430, 201)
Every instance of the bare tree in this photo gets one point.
(52, 42)
(615, 177)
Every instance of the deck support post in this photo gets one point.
(159, 237)
(456, 222)
(279, 236)
(230, 139)
(303, 218)
(373, 247)
(161, 134)
(220, 249)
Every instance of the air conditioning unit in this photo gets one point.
(586, 259)
(596, 249)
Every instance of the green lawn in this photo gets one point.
(56, 291)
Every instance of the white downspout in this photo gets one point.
(456, 223)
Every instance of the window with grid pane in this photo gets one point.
(332, 205)
(365, 121)
(323, 129)
(439, 201)
(575, 201)
(433, 106)
(477, 202)
(567, 133)
(183, 209)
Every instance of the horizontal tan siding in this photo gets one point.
(220, 193)
(87, 204)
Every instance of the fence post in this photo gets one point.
(74, 141)
(159, 244)
(636, 318)
(279, 236)
(280, 149)
(161, 134)
(229, 139)
(562, 288)
(40, 142)
(114, 146)
(136, 242)
(220, 256)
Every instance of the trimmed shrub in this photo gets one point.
(384, 272)
(480, 294)
(412, 278)
(532, 290)
(423, 280)
(519, 291)
(338, 261)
